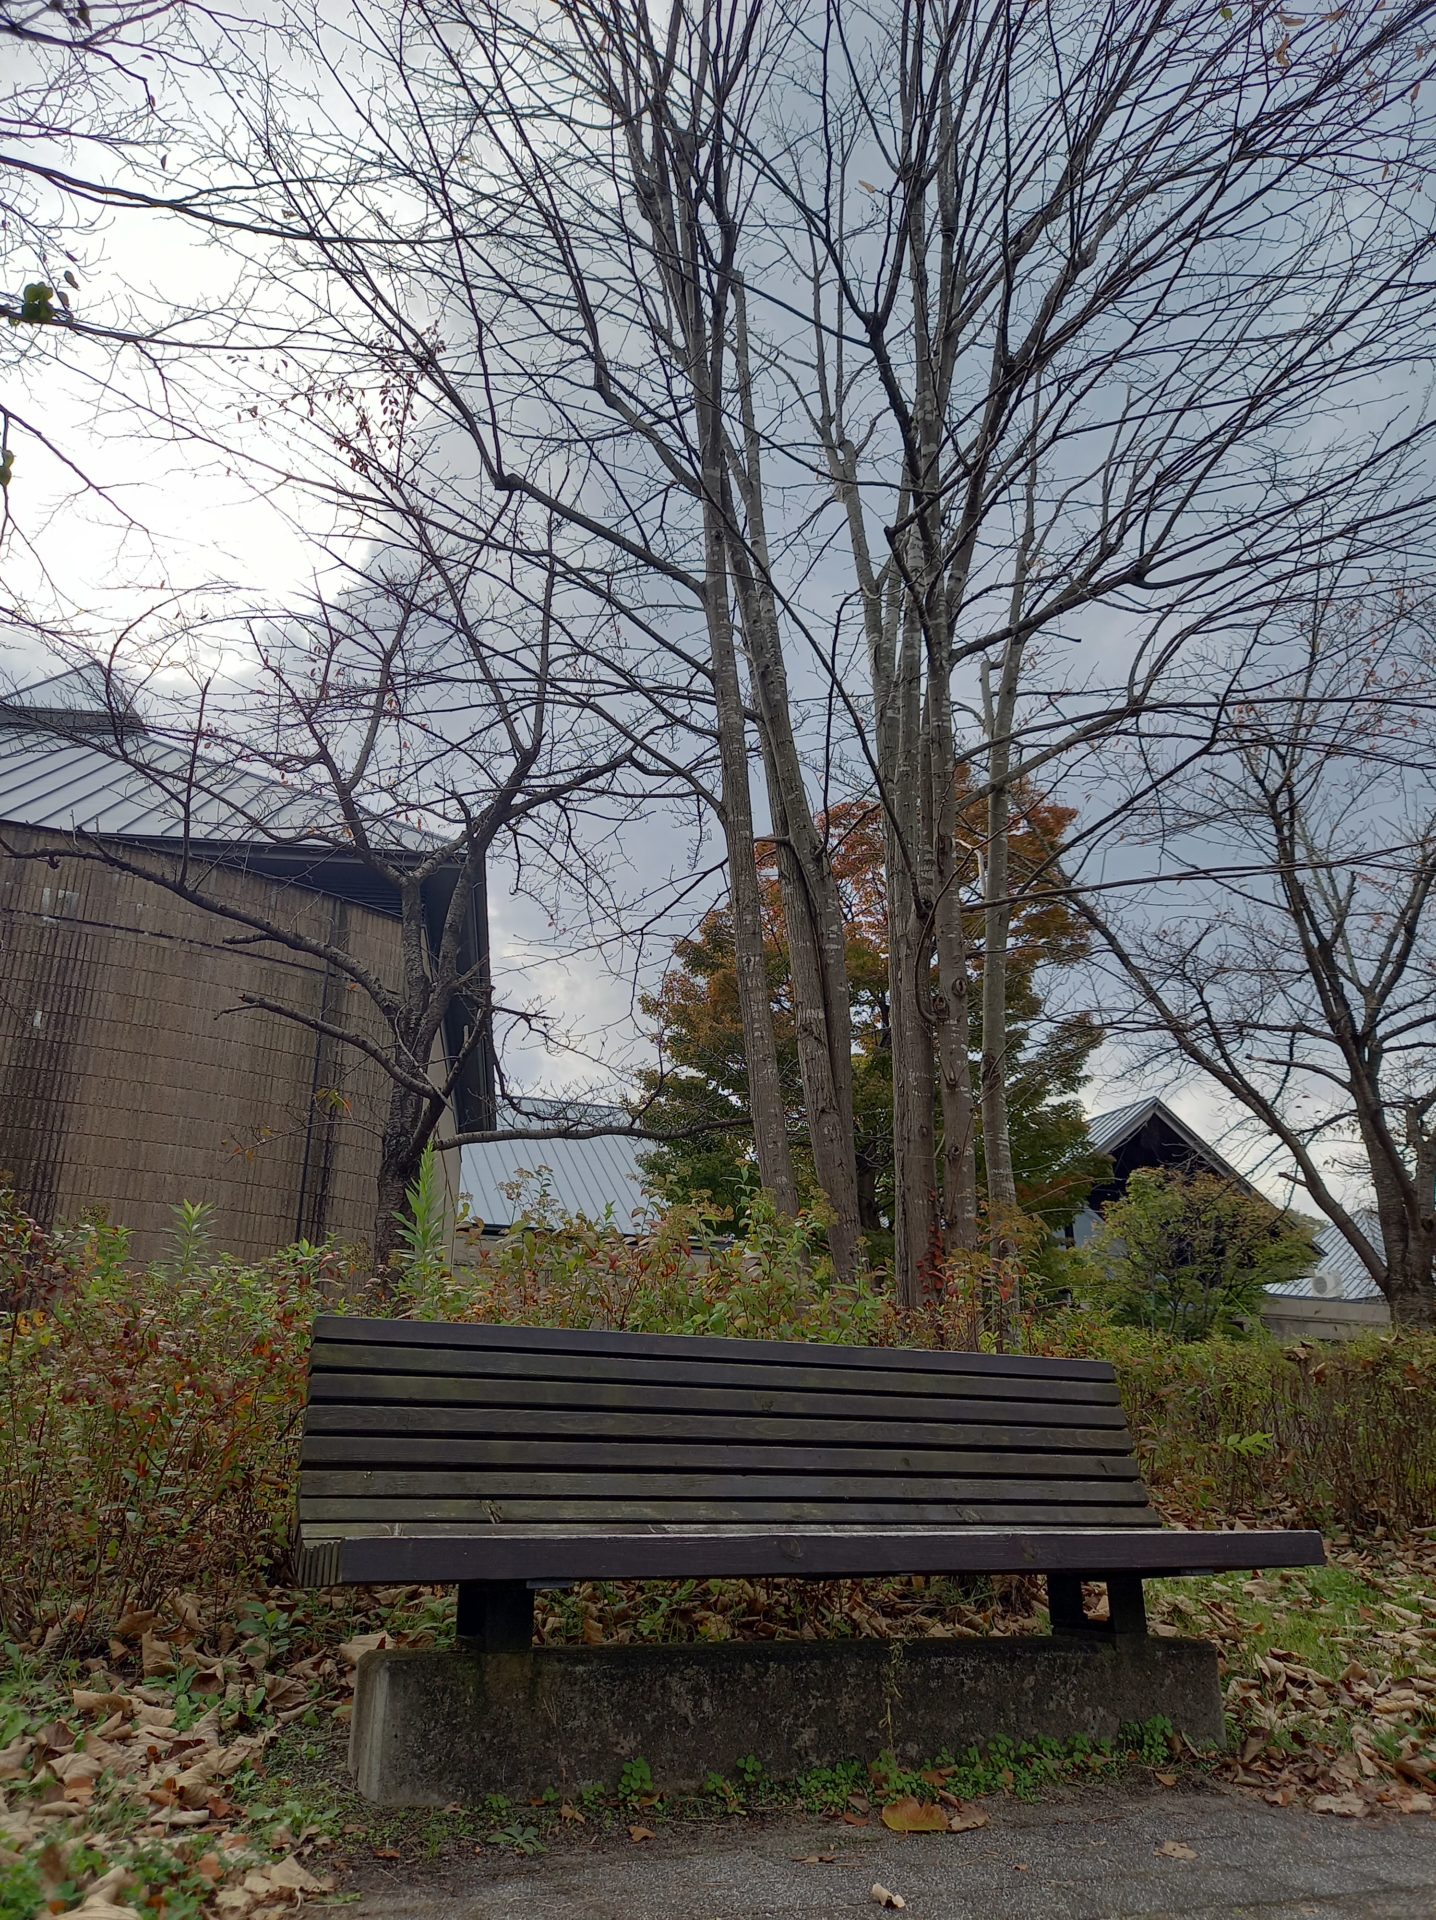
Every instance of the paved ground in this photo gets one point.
(1093, 1857)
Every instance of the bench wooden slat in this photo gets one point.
(436, 1392)
(844, 1553)
(437, 1453)
(628, 1398)
(685, 1347)
(682, 1526)
(403, 1450)
(619, 1487)
(495, 1513)
(356, 1357)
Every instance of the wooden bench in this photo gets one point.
(506, 1459)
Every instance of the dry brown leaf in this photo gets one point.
(353, 1651)
(87, 1701)
(1176, 1850)
(155, 1656)
(1165, 1779)
(914, 1816)
(967, 1820)
(291, 1875)
(135, 1623)
(639, 1834)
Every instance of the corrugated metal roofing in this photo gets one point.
(1339, 1274)
(600, 1179)
(1107, 1132)
(1110, 1129)
(133, 785)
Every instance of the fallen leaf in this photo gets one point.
(966, 1821)
(815, 1859)
(855, 1819)
(885, 1898)
(915, 1816)
(387, 1853)
(1176, 1850)
(639, 1834)
(1165, 1779)
(351, 1652)
(155, 1656)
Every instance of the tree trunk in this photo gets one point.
(400, 1150)
(1411, 1295)
(954, 1015)
(812, 914)
(765, 1090)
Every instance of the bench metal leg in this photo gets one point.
(495, 1616)
(1064, 1603)
(1125, 1605)
(1126, 1609)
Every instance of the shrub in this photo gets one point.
(1189, 1254)
(1326, 1436)
(147, 1418)
(149, 1415)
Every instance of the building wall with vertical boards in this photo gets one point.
(131, 1077)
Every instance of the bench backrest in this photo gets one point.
(416, 1427)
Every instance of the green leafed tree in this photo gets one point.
(1189, 1253)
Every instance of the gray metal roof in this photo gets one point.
(1339, 1274)
(63, 769)
(1110, 1129)
(600, 1179)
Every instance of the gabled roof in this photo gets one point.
(1339, 1274)
(596, 1178)
(1109, 1132)
(73, 759)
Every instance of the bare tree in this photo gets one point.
(848, 349)
(1287, 947)
(410, 725)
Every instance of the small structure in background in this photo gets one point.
(1336, 1299)
(599, 1179)
(1145, 1134)
(130, 1080)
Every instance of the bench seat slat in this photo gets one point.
(589, 1341)
(680, 1398)
(504, 1554)
(741, 1515)
(355, 1357)
(452, 1402)
(638, 1529)
(355, 1452)
(373, 1483)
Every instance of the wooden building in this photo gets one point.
(131, 1077)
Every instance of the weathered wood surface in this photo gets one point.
(469, 1453)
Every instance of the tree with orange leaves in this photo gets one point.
(700, 1086)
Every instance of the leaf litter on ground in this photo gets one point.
(134, 1784)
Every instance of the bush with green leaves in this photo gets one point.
(148, 1415)
(1189, 1253)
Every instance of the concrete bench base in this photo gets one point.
(433, 1727)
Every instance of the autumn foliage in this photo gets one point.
(701, 1090)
